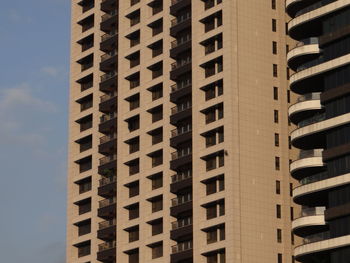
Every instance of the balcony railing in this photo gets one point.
(108, 159)
(108, 138)
(180, 247)
(107, 180)
(181, 63)
(107, 245)
(310, 96)
(106, 56)
(181, 200)
(181, 153)
(107, 117)
(181, 223)
(181, 107)
(108, 36)
(105, 224)
(107, 202)
(180, 19)
(181, 41)
(108, 96)
(108, 75)
(312, 211)
(108, 15)
(314, 178)
(314, 119)
(181, 130)
(182, 176)
(316, 237)
(310, 153)
(177, 87)
(313, 7)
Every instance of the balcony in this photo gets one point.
(180, 158)
(180, 67)
(108, 82)
(310, 221)
(309, 162)
(108, 102)
(180, 112)
(180, 46)
(108, 5)
(107, 230)
(109, 61)
(107, 208)
(180, 24)
(108, 144)
(181, 205)
(107, 187)
(306, 50)
(109, 41)
(180, 181)
(107, 251)
(108, 122)
(180, 135)
(181, 252)
(109, 21)
(179, 90)
(181, 229)
(306, 107)
(107, 162)
(293, 6)
(177, 5)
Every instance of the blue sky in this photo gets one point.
(34, 70)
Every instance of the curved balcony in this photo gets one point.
(305, 107)
(308, 79)
(107, 122)
(179, 90)
(181, 229)
(316, 193)
(181, 204)
(107, 230)
(317, 244)
(310, 221)
(294, 6)
(107, 187)
(309, 162)
(107, 251)
(181, 251)
(108, 82)
(312, 134)
(109, 20)
(305, 50)
(108, 102)
(107, 208)
(310, 18)
(109, 61)
(107, 163)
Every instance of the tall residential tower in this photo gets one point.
(179, 145)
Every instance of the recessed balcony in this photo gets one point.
(107, 187)
(180, 181)
(310, 221)
(181, 205)
(180, 158)
(109, 61)
(109, 41)
(180, 46)
(108, 82)
(107, 230)
(108, 5)
(107, 251)
(179, 90)
(179, 68)
(109, 20)
(107, 122)
(180, 135)
(182, 251)
(309, 162)
(107, 163)
(108, 102)
(181, 229)
(177, 5)
(180, 112)
(180, 23)
(107, 208)
(305, 50)
(306, 107)
(108, 144)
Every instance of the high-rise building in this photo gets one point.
(179, 145)
(321, 61)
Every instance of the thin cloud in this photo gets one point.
(50, 71)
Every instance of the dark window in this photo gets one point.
(278, 187)
(157, 250)
(277, 163)
(273, 4)
(85, 103)
(277, 139)
(156, 69)
(134, 189)
(134, 59)
(157, 91)
(157, 180)
(213, 21)
(157, 158)
(84, 185)
(86, 62)
(291, 189)
(213, 67)
(275, 116)
(278, 211)
(213, 90)
(84, 227)
(133, 256)
(157, 48)
(215, 185)
(214, 113)
(87, 23)
(275, 93)
(157, 135)
(215, 209)
(292, 213)
(134, 38)
(279, 258)
(279, 235)
(274, 25)
(157, 227)
(85, 123)
(134, 101)
(134, 2)
(274, 47)
(275, 70)
(157, 113)
(214, 161)
(288, 96)
(84, 206)
(134, 144)
(85, 164)
(134, 211)
(157, 7)
(133, 234)
(86, 82)
(157, 27)
(134, 166)
(215, 234)
(134, 17)
(84, 249)
(85, 143)
(86, 5)
(87, 42)
(133, 123)
(157, 204)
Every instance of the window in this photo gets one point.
(84, 206)
(215, 234)
(292, 213)
(274, 25)
(133, 255)
(288, 96)
(215, 185)
(278, 211)
(85, 123)
(157, 250)
(157, 135)
(277, 139)
(213, 90)
(212, 44)
(84, 185)
(134, 211)
(157, 226)
(134, 80)
(85, 103)
(278, 187)
(157, 203)
(156, 69)
(214, 137)
(157, 91)
(134, 17)
(86, 5)
(275, 116)
(215, 209)
(157, 48)
(289, 142)
(87, 23)
(274, 47)
(277, 163)
(157, 113)
(213, 67)
(86, 62)
(134, 189)
(288, 73)
(134, 2)
(133, 233)
(275, 93)
(84, 227)
(279, 258)
(214, 161)
(86, 82)
(216, 256)
(134, 59)
(273, 4)
(134, 166)
(134, 144)
(157, 6)
(157, 27)
(133, 123)
(275, 70)
(134, 38)
(214, 113)
(157, 158)
(85, 143)
(134, 101)
(157, 180)
(85, 164)
(84, 249)
(291, 189)
(212, 21)
(279, 235)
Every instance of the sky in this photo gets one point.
(34, 71)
